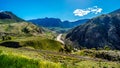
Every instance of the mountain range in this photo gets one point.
(55, 22)
(97, 32)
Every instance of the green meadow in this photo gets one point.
(31, 58)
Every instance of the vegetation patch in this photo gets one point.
(103, 54)
(12, 61)
(44, 44)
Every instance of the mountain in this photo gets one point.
(7, 16)
(67, 24)
(97, 33)
(10, 24)
(55, 22)
(47, 22)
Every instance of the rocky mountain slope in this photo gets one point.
(98, 32)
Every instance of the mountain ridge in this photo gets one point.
(56, 22)
(7, 15)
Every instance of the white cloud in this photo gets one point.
(83, 12)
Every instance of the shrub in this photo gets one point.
(4, 38)
(25, 30)
(68, 48)
(107, 47)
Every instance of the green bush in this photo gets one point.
(25, 30)
(107, 47)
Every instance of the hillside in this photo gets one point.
(12, 25)
(20, 28)
(7, 16)
(97, 33)
(30, 58)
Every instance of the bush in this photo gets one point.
(25, 30)
(107, 48)
(4, 38)
(68, 48)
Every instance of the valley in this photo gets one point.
(52, 43)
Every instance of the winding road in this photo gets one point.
(59, 38)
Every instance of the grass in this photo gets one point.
(19, 58)
(15, 61)
(94, 64)
(44, 44)
(21, 29)
(44, 53)
(103, 54)
(35, 42)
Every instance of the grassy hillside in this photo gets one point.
(34, 42)
(8, 60)
(22, 28)
(6, 21)
(24, 58)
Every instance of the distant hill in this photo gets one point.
(47, 22)
(55, 22)
(7, 16)
(97, 33)
(10, 24)
(22, 28)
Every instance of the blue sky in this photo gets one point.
(63, 9)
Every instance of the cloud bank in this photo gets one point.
(83, 12)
